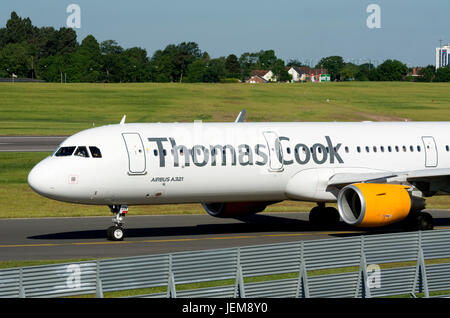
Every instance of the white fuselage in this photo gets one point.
(184, 162)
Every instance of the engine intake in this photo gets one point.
(234, 209)
(371, 205)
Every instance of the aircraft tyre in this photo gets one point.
(324, 216)
(420, 221)
(115, 233)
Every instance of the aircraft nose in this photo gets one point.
(39, 179)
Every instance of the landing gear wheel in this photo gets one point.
(115, 233)
(321, 215)
(425, 221)
(315, 215)
(332, 216)
(420, 221)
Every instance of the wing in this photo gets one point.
(427, 180)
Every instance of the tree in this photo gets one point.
(442, 74)
(18, 29)
(349, 71)
(15, 59)
(85, 63)
(186, 54)
(215, 70)
(195, 72)
(267, 59)
(333, 64)
(52, 67)
(67, 41)
(248, 62)
(113, 61)
(365, 72)
(232, 66)
(296, 63)
(279, 69)
(137, 64)
(391, 70)
(170, 64)
(427, 74)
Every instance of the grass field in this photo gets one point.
(64, 109)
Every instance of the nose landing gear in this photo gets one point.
(116, 232)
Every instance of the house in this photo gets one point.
(307, 74)
(268, 76)
(256, 79)
(415, 71)
(298, 73)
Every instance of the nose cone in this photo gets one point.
(40, 179)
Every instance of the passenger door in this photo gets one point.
(275, 151)
(136, 153)
(431, 154)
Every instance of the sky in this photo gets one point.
(307, 30)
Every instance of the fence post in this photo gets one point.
(171, 289)
(239, 289)
(420, 277)
(302, 276)
(98, 288)
(362, 274)
(21, 287)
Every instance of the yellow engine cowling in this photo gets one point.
(372, 205)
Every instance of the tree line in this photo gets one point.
(55, 55)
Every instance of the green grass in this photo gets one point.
(64, 109)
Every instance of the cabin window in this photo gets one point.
(155, 152)
(346, 149)
(288, 150)
(65, 151)
(397, 148)
(95, 152)
(82, 152)
(418, 148)
(367, 149)
(358, 149)
(447, 148)
(411, 148)
(382, 148)
(404, 148)
(374, 149)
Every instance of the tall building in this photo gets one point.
(443, 56)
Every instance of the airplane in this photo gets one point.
(379, 173)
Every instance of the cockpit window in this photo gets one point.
(95, 152)
(64, 151)
(82, 152)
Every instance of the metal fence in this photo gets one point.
(363, 266)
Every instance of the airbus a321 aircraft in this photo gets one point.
(377, 172)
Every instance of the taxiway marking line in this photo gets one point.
(171, 240)
(187, 239)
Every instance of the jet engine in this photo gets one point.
(234, 209)
(371, 205)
